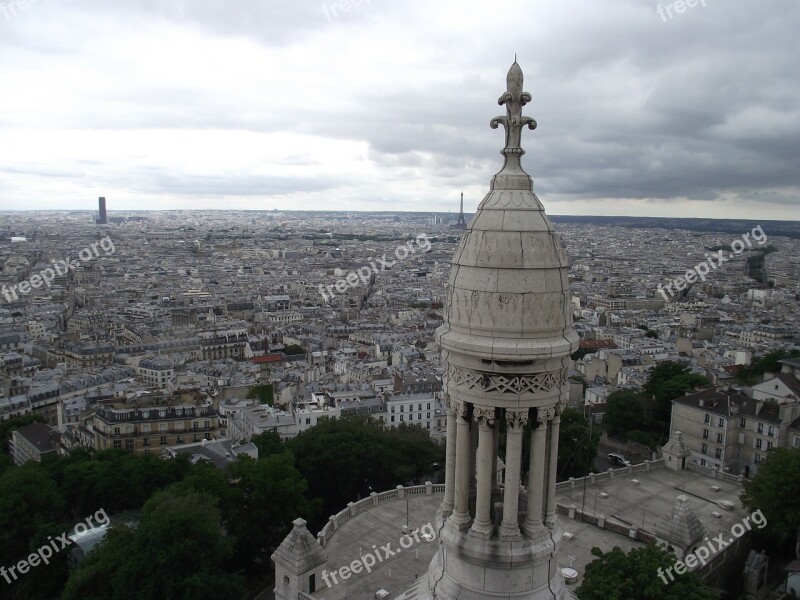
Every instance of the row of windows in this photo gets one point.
(145, 427)
(411, 407)
(720, 436)
(411, 417)
(771, 430)
(162, 441)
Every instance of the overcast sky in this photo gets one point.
(385, 104)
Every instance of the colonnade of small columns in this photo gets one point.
(471, 461)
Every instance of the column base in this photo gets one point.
(481, 530)
(461, 521)
(509, 533)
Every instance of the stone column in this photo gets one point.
(460, 516)
(496, 446)
(515, 421)
(473, 458)
(550, 511)
(482, 526)
(536, 489)
(450, 461)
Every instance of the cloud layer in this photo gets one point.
(381, 105)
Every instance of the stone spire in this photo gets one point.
(507, 340)
(681, 527)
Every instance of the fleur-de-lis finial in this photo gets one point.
(514, 99)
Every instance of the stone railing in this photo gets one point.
(374, 499)
(591, 478)
(715, 474)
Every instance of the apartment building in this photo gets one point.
(145, 424)
(33, 442)
(426, 410)
(729, 431)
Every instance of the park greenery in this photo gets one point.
(774, 490)
(201, 530)
(615, 575)
(644, 416)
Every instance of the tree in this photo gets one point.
(667, 381)
(625, 412)
(615, 575)
(576, 449)
(269, 442)
(293, 349)
(264, 392)
(774, 490)
(345, 459)
(177, 552)
(272, 494)
(754, 373)
(29, 500)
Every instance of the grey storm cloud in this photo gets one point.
(380, 99)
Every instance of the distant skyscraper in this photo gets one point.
(102, 218)
(461, 223)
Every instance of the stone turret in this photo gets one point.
(299, 562)
(507, 340)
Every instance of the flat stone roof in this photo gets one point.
(626, 504)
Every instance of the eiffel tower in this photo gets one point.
(461, 224)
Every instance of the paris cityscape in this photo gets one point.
(284, 317)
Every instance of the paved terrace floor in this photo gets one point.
(628, 504)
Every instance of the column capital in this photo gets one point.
(451, 405)
(540, 418)
(516, 419)
(484, 416)
(463, 409)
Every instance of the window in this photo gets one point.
(116, 430)
(429, 405)
(769, 445)
(760, 428)
(401, 418)
(392, 418)
(146, 428)
(196, 437)
(759, 443)
(410, 417)
(308, 421)
(180, 439)
(707, 418)
(721, 422)
(118, 444)
(393, 409)
(704, 449)
(743, 423)
(702, 462)
(771, 431)
(194, 425)
(705, 434)
(720, 438)
(757, 458)
(162, 426)
(128, 444)
(796, 442)
(146, 442)
(402, 408)
(718, 453)
(163, 440)
(428, 415)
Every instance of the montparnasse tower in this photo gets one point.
(507, 340)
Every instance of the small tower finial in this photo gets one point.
(514, 99)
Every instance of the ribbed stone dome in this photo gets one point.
(508, 296)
